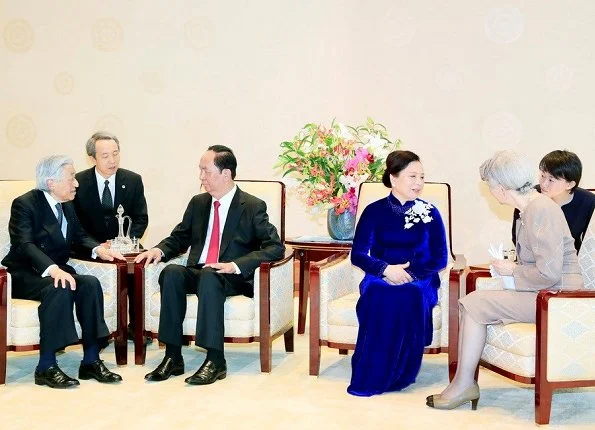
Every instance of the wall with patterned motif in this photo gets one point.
(454, 80)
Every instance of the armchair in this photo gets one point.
(261, 318)
(334, 287)
(555, 352)
(19, 323)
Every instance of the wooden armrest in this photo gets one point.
(268, 265)
(329, 261)
(545, 295)
(3, 292)
(472, 277)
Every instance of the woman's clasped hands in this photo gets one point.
(395, 274)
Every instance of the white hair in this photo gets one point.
(51, 167)
(509, 169)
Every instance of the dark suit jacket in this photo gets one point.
(130, 193)
(248, 237)
(36, 241)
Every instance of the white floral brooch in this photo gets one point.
(420, 211)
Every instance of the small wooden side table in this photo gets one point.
(139, 298)
(306, 249)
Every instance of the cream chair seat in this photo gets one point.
(334, 286)
(261, 318)
(19, 322)
(555, 352)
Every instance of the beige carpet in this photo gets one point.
(287, 398)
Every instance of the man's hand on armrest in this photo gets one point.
(107, 254)
(153, 255)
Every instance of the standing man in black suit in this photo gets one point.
(43, 229)
(102, 189)
(229, 235)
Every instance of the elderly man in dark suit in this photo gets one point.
(229, 235)
(102, 189)
(43, 229)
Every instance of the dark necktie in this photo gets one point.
(213, 253)
(106, 198)
(60, 214)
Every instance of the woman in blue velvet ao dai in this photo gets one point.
(400, 244)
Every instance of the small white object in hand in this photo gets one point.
(498, 254)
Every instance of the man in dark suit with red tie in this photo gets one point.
(229, 235)
(102, 189)
(43, 230)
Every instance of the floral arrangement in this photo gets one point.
(331, 162)
(420, 211)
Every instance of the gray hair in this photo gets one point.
(100, 135)
(509, 169)
(51, 167)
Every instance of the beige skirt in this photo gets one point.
(500, 306)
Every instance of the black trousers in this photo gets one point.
(56, 320)
(212, 288)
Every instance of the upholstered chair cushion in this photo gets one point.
(338, 318)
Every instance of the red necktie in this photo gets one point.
(213, 253)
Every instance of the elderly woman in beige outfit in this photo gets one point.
(546, 260)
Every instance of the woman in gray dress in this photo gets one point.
(546, 260)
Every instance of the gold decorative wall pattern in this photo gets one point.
(107, 35)
(20, 131)
(64, 83)
(199, 33)
(18, 36)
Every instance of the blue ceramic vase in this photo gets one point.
(341, 227)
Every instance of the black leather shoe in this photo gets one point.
(98, 371)
(55, 378)
(208, 373)
(166, 368)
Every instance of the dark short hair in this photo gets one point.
(395, 162)
(224, 159)
(563, 164)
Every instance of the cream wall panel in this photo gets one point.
(455, 80)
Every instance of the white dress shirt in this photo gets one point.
(225, 203)
(101, 185)
(52, 202)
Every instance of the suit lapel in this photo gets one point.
(48, 218)
(233, 218)
(202, 221)
(69, 215)
(90, 192)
